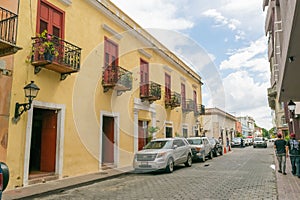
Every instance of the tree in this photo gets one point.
(151, 131)
(265, 133)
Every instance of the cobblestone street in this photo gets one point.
(245, 173)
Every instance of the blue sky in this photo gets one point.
(223, 40)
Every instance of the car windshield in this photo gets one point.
(195, 141)
(258, 139)
(159, 145)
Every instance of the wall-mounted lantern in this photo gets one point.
(31, 91)
(292, 108)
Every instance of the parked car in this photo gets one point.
(163, 154)
(259, 142)
(201, 148)
(236, 142)
(217, 148)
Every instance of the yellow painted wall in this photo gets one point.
(82, 92)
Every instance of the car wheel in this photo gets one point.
(221, 152)
(210, 155)
(170, 166)
(254, 146)
(188, 162)
(215, 154)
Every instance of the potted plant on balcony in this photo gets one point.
(45, 46)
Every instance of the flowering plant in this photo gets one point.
(46, 44)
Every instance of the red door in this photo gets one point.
(110, 61)
(108, 140)
(144, 70)
(50, 18)
(142, 140)
(168, 87)
(48, 141)
(183, 96)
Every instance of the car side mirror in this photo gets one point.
(175, 146)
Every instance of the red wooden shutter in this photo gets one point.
(168, 86)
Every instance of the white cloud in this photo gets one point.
(155, 14)
(220, 20)
(247, 97)
(251, 57)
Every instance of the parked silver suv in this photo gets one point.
(163, 153)
(201, 148)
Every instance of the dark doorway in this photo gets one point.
(43, 141)
(169, 132)
(108, 140)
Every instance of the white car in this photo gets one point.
(163, 154)
(201, 148)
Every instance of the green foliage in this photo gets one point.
(151, 131)
(238, 134)
(265, 133)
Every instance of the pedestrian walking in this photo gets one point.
(280, 148)
(294, 152)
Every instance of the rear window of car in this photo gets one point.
(195, 141)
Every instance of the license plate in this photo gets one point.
(144, 163)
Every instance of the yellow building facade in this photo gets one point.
(105, 83)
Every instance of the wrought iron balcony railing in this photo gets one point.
(63, 58)
(188, 105)
(150, 91)
(117, 78)
(199, 110)
(8, 32)
(173, 100)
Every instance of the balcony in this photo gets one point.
(173, 100)
(116, 78)
(199, 110)
(188, 106)
(8, 32)
(150, 91)
(64, 58)
(272, 97)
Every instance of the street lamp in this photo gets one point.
(31, 91)
(292, 107)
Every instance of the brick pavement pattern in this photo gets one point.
(245, 173)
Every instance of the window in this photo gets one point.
(50, 18)
(167, 86)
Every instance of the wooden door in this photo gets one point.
(48, 141)
(108, 140)
(50, 18)
(168, 87)
(110, 61)
(142, 138)
(144, 70)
